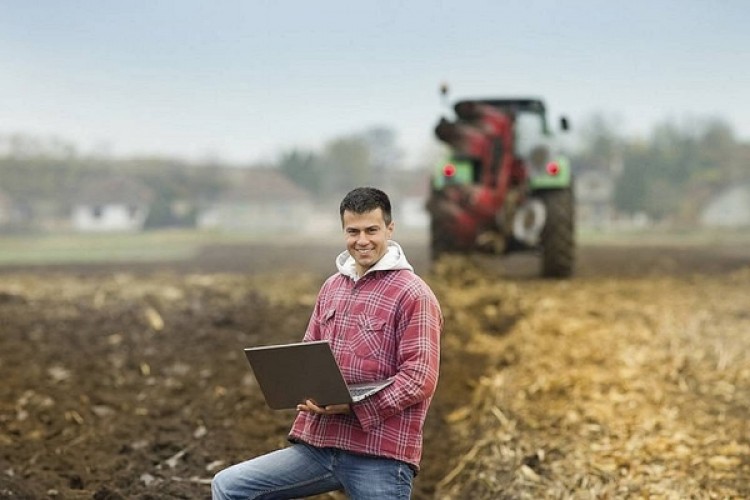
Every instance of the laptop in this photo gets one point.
(288, 374)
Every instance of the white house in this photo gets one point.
(594, 191)
(730, 208)
(258, 199)
(111, 204)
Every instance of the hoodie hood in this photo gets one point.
(393, 260)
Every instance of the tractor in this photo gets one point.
(505, 186)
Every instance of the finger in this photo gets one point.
(337, 408)
(313, 407)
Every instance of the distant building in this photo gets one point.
(111, 204)
(594, 194)
(258, 199)
(730, 208)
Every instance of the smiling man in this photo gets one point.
(368, 232)
(382, 321)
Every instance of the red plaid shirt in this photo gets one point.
(385, 324)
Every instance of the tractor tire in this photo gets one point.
(558, 235)
(440, 239)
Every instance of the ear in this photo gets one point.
(390, 228)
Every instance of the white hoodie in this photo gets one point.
(393, 260)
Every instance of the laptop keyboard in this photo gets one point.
(358, 391)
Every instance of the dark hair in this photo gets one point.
(366, 199)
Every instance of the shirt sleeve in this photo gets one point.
(418, 360)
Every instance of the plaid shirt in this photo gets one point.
(385, 324)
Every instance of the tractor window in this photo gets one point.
(530, 133)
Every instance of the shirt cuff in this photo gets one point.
(367, 413)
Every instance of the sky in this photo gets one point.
(244, 81)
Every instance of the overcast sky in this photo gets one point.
(244, 80)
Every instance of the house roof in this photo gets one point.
(113, 189)
(262, 184)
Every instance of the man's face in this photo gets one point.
(366, 237)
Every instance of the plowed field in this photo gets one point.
(632, 380)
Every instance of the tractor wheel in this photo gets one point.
(558, 238)
(440, 239)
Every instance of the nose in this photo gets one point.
(362, 239)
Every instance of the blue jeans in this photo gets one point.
(302, 470)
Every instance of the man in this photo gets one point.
(382, 321)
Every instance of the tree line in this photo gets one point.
(668, 175)
(41, 176)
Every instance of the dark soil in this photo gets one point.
(128, 381)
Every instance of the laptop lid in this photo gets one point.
(288, 374)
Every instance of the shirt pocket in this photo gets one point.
(326, 324)
(369, 340)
